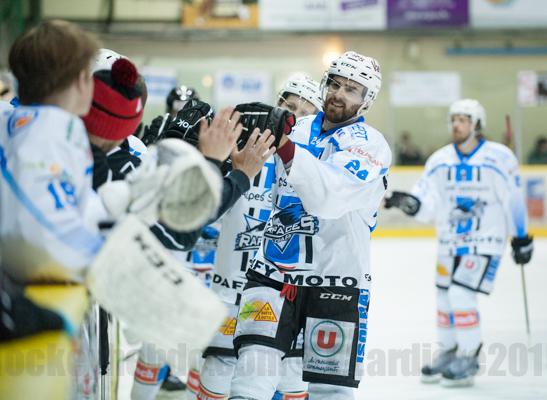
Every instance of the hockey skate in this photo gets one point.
(432, 373)
(460, 372)
(171, 388)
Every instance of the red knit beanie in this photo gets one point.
(117, 109)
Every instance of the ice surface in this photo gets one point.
(401, 335)
(402, 327)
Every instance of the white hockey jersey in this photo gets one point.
(475, 200)
(48, 209)
(325, 209)
(241, 234)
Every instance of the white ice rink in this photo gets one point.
(401, 332)
(402, 328)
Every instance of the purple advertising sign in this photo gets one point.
(427, 13)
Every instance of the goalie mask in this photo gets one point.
(355, 67)
(306, 90)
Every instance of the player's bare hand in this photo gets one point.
(256, 152)
(218, 139)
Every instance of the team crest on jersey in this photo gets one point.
(251, 238)
(467, 208)
(21, 119)
(287, 222)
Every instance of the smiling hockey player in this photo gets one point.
(312, 269)
(472, 190)
(240, 237)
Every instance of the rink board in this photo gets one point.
(41, 366)
(393, 223)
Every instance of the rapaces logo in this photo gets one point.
(251, 238)
(287, 222)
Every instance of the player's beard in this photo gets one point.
(337, 115)
(459, 139)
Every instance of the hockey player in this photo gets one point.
(109, 123)
(312, 269)
(301, 96)
(178, 97)
(472, 190)
(240, 237)
(45, 158)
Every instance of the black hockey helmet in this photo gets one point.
(178, 96)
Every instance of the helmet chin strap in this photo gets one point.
(363, 109)
(471, 136)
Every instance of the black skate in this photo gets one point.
(432, 373)
(460, 372)
(171, 388)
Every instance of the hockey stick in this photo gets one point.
(509, 140)
(509, 132)
(525, 294)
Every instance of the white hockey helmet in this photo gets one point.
(471, 108)
(104, 59)
(304, 87)
(358, 68)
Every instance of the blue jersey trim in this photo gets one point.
(465, 157)
(434, 169)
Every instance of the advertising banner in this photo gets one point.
(508, 14)
(220, 14)
(310, 15)
(233, 88)
(159, 82)
(419, 89)
(403, 14)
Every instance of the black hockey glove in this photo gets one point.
(185, 126)
(152, 132)
(408, 203)
(522, 249)
(262, 116)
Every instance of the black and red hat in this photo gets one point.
(117, 107)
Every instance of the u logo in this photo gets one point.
(326, 344)
(327, 338)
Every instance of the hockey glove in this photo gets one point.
(152, 132)
(522, 249)
(185, 126)
(262, 116)
(408, 203)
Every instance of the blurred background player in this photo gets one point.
(240, 237)
(308, 271)
(178, 97)
(472, 190)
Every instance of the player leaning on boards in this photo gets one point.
(471, 189)
(240, 237)
(312, 269)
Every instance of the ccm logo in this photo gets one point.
(334, 296)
